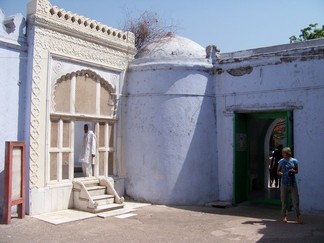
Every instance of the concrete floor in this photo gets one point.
(159, 223)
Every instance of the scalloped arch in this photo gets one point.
(91, 74)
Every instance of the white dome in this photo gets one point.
(170, 46)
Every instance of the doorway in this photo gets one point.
(78, 140)
(256, 135)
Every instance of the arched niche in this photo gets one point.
(83, 93)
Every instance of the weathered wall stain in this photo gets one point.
(240, 71)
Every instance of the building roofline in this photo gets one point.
(42, 13)
(273, 49)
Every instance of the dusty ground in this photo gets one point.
(158, 223)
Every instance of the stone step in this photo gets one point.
(116, 212)
(105, 208)
(87, 182)
(96, 190)
(103, 202)
(104, 199)
(91, 183)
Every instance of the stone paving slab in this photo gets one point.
(70, 215)
(64, 216)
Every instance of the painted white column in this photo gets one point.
(98, 86)
(106, 157)
(96, 159)
(59, 146)
(225, 146)
(72, 94)
(71, 165)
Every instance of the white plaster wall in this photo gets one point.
(297, 85)
(309, 135)
(225, 144)
(11, 81)
(12, 92)
(51, 198)
(171, 154)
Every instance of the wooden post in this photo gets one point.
(14, 180)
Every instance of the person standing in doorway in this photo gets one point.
(287, 169)
(88, 151)
(277, 156)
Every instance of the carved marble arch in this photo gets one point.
(83, 93)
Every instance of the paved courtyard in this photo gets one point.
(159, 223)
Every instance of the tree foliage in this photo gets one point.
(146, 28)
(309, 33)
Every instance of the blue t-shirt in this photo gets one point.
(287, 178)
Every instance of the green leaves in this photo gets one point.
(309, 33)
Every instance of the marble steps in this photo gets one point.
(103, 199)
(92, 197)
(105, 208)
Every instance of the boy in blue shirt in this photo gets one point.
(287, 168)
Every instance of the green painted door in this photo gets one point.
(240, 158)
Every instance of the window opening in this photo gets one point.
(79, 98)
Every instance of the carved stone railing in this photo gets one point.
(103, 181)
(82, 193)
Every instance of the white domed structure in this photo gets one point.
(171, 50)
(171, 46)
(171, 124)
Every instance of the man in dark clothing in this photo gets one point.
(277, 155)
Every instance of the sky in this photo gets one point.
(232, 25)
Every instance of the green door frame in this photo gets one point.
(241, 157)
(242, 145)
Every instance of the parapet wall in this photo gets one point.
(12, 30)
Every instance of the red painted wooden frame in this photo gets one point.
(8, 201)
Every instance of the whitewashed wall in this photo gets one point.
(283, 78)
(171, 155)
(12, 82)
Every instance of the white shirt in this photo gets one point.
(89, 147)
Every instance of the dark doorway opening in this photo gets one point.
(256, 135)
